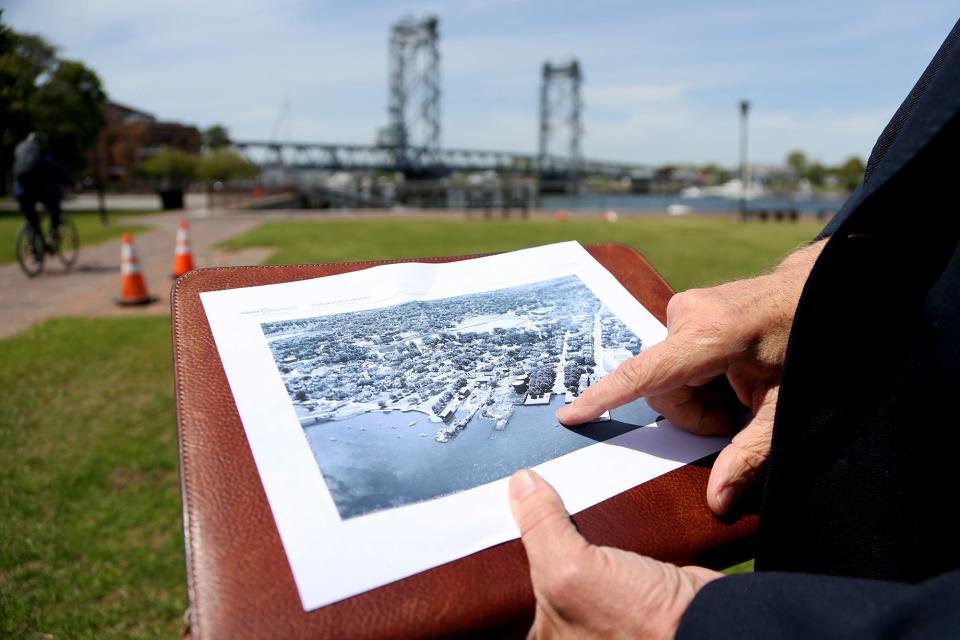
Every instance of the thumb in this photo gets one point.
(545, 526)
(740, 463)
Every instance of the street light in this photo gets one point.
(744, 172)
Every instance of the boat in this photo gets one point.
(732, 189)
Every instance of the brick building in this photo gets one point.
(130, 136)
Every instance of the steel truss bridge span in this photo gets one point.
(417, 161)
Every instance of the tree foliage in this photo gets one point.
(215, 137)
(172, 167)
(797, 161)
(68, 107)
(846, 176)
(24, 58)
(39, 92)
(851, 172)
(816, 173)
(225, 164)
(714, 174)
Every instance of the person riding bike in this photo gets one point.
(39, 178)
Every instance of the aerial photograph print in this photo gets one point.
(418, 400)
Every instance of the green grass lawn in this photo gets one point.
(88, 226)
(688, 252)
(89, 507)
(89, 494)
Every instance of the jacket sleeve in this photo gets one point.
(795, 605)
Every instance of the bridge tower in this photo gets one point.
(560, 109)
(414, 107)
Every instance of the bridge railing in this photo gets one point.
(358, 157)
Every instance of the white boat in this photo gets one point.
(732, 189)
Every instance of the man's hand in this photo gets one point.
(584, 591)
(738, 330)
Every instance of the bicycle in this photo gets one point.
(33, 248)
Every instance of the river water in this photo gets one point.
(379, 460)
(658, 203)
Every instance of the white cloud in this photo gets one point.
(624, 97)
(487, 5)
(681, 132)
(651, 93)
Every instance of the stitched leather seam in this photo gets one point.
(193, 620)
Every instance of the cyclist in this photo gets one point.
(39, 178)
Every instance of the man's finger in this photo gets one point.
(545, 526)
(703, 410)
(741, 462)
(662, 367)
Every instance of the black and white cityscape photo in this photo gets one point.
(414, 401)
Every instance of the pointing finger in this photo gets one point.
(662, 367)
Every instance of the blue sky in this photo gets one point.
(662, 79)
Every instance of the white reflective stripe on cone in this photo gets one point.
(183, 242)
(128, 260)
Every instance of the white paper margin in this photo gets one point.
(332, 559)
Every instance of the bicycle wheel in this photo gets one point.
(29, 251)
(68, 248)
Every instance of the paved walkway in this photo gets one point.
(89, 289)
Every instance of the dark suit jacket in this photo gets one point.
(862, 483)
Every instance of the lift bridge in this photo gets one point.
(410, 143)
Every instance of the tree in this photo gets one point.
(851, 172)
(225, 164)
(172, 167)
(797, 161)
(68, 107)
(714, 174)
(816, 173)
(23, 59)
(215, 137)
(38, 92)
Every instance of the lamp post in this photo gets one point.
(744, 171)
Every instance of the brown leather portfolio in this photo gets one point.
(239, 582)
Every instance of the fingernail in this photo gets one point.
(521, 485)
(725, 498)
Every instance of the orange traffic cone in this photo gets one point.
(133, 290)
(182, 257)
